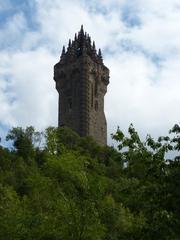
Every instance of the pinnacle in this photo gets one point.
(69, 42)
(75, 38)
(94, 46)
(82, 30)
(63, 50)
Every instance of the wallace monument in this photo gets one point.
(81, 81)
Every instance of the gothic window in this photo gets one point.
(96, 105)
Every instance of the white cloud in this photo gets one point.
(143, 94)
(11, 34)
(142, 91)
(159, 30)
(30, 97)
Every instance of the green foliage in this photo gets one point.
(74, 189)
(24, 140)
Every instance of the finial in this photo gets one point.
(94, 46)
(69, 43)
(100, 54)
(63, 51)
(82, 30)
(75, 38)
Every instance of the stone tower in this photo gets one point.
(81, 81)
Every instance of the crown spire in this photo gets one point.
(81, 45)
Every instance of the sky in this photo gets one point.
(140, 42)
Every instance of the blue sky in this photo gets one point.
(140, 42)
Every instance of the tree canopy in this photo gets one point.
(57, 185)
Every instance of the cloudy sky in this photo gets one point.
(140, 42)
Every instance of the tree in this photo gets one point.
(72, 188)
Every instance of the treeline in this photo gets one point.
(56, 185)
